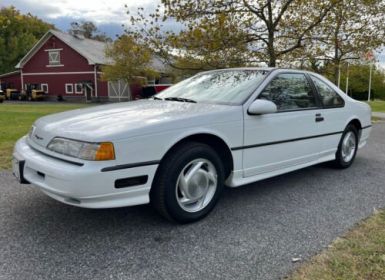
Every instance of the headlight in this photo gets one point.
(82, 150)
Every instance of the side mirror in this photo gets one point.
(260, 106)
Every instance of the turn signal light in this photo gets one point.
(105, 151)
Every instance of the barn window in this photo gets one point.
(69, 88)
(54, 57)
(78, 88)
(44, 87)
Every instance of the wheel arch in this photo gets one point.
(214, 141)
(356, 122)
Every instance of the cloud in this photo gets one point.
(98, 11)
(108, 15)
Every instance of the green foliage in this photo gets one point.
(360, 254)
(287, 33)
(131, 61)
(211, 44)
(18, 33)
(251, 32)
(351, 29)
(89, 30)
(16, 120)
(378, 106)
(359, 81)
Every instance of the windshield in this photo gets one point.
(231, 87)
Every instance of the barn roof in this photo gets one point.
(13, 73)
(92, 50)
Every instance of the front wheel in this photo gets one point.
(347, 148)
(188, 183)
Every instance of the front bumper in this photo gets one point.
(84, 186)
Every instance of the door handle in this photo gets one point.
(319, 118)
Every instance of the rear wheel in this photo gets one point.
(347, 148)
(188, 183)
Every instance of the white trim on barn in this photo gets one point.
(58, 73)
(21, 78)
(46, 87)
(50, 50)
(77, 87)
(54, 65)
(96, 80)
(67, 89)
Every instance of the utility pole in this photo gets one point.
(370, 80)
(347, 79)
(370, 59)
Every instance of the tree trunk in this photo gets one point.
(270, 49)
(336, 72)
(272, 59)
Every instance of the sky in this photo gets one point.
(108, 15)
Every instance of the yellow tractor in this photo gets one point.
(37, 94)
(33, 93)
(12, 94)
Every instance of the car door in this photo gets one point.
(334, 116)
(287, 138)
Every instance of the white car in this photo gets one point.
(179, 149)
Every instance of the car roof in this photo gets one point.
(268, 69)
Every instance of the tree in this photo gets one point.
(213, 44)
(350, 30)
(89, 31)
(270, 30)
(18, 33)
(130, 61)
(359, 81)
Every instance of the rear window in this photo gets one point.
(328, 96)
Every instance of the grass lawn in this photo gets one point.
(16, 120)
(360, 254)
(377, 106)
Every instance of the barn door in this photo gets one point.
(88, 91)
(119, 90)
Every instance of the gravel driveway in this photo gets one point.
(253, 233)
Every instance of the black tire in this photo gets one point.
(163, 192)
(340, 162)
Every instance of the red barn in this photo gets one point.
(68, 66)
(10, 80)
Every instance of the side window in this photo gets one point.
(290, 92)
(328, 96)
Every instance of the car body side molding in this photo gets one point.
(284, 141)
(130, 165)
(289, 140)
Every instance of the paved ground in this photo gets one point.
(253, 233)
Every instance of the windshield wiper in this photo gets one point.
(156, 98)
(180, 99)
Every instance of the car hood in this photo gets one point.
(129, 119)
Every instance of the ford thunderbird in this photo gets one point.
(178, 149)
